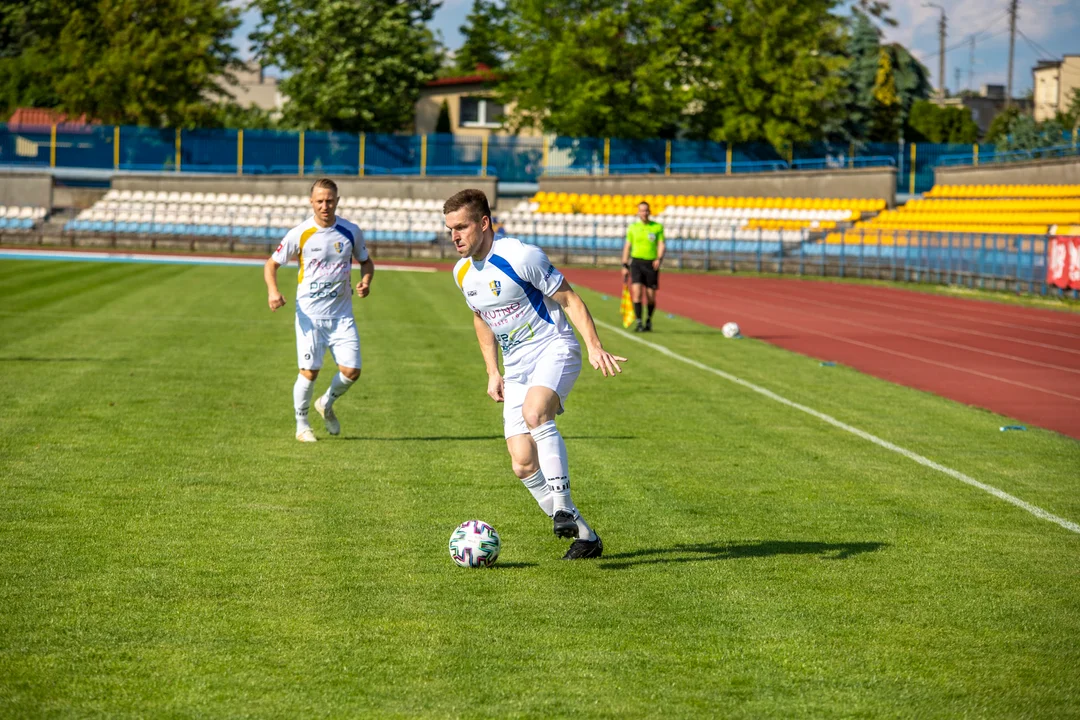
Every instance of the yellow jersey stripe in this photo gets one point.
(461, 273)
(300, 255)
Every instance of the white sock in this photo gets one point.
(537, 485)
(551, 452)
(301, 393)
(338, 387)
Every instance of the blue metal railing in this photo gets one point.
(512, 159)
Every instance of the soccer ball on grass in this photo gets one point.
(475, 544)
(730, 330)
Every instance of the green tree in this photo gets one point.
(442, 124)
(932, 123)
(119, 61)
(863, 50)
(912, 80)
(764, 69)
(1070, 117)
(605, 68)
(482, 38)
(999, 126)
(350, 65)
(885, 115)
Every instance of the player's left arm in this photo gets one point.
(367, 271)
(367, 267)
(579, 314)
(660, 247)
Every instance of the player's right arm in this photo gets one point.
(273, 296)
(490, 351)
(285, 252)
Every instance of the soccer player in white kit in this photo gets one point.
(520, 303)
(324, 247)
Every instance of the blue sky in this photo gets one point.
(1051, 28)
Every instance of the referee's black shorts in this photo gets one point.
(642, 273)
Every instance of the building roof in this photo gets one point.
(483, 75)
(39, 118)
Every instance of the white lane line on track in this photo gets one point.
(997, 311)
(927, 462)
(898, 353)
(884, 329)
(165, 259)
(915, 321)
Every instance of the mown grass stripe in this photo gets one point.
(956, 474)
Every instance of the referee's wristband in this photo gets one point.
(626, 265)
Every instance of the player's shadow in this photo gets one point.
(60, 359)
(684, 553)
(513, 565)
(424, 438)
(434, 438)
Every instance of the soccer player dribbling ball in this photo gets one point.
(324, 246)
(521, 303)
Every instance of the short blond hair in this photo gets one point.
(324, 183)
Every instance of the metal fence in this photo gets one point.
(510, 158)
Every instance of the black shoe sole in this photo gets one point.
(565, 528)
(585, 550)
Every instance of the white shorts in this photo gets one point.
(315, 335)
(557, 368)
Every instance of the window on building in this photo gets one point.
(480, 112)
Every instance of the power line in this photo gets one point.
(965, 42)
(1034, 45)
(976, 35)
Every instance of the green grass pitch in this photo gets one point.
(167, 549)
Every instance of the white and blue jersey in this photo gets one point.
(511, 290)
(325, 255)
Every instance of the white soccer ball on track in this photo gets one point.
(730, 330)
(475, 544)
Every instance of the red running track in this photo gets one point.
(1020, 362)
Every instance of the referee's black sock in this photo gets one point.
(652, 306)
(637, 311)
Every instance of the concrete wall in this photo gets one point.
(76, 198)
(26, 189)
(854, 183)
(438, 188)
(1056, 171)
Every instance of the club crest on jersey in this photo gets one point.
(496, 287)
(338, 245)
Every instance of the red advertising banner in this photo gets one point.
(1063, 262)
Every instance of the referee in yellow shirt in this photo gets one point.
(641, 258)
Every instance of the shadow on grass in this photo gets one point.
(512, 565)
(466, 438)
(734, 551)
(60, 359)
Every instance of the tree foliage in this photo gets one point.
(950, 124)
(119, 61)
(482, 38)
(350, 65)
(595, 68)
(885, 115)
(1070, 117)
(764, 70)
(442, 123)
(912, 80)
(737, 71)
(855, 106)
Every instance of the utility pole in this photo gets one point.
(957, 71)
(971, 65)
(1012, 45)
(941, 50)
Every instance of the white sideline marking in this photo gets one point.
(164, 259)
(1000, 494)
